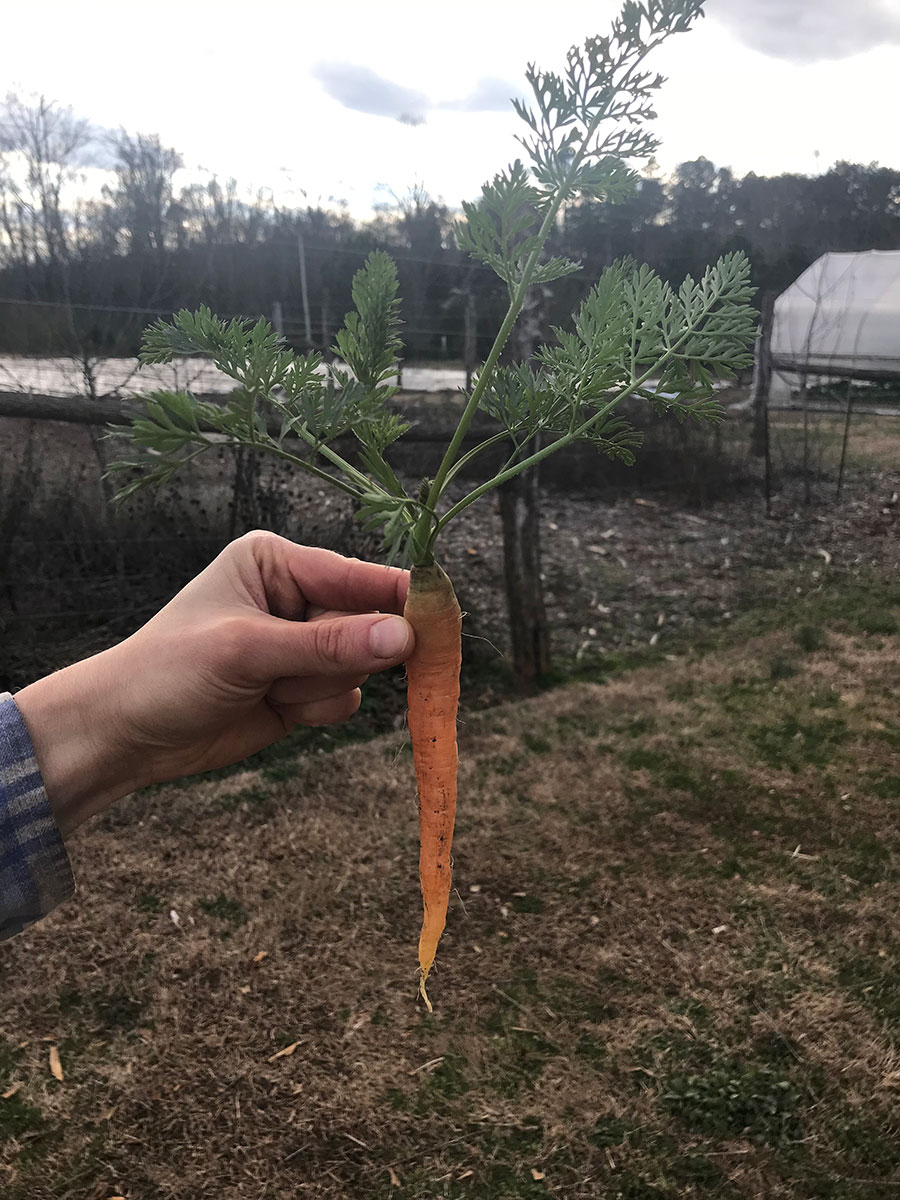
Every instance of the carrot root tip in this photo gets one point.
(423, 975)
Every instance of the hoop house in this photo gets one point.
(841, 318)
(834, 345)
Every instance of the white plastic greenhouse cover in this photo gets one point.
(841, 317)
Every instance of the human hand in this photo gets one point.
(269, 636)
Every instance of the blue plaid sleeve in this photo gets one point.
(35, 874)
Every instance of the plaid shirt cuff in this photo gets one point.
(35, 874)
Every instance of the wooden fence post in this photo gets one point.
(762, 375)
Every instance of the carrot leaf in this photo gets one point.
(502, 229)
(369, 343)
(633, 336)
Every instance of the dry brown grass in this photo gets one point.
(872, 439)
(670, 968)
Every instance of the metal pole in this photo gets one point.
(304, 294)
(767, 450)
(805, 399)
(840, 480)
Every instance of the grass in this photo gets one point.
(732, 1098)
(791, 743)
(872, 440)
(18, 1118)
(810, 638)
(670, 968)
(225, 909)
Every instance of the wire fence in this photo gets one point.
(61, 370)
(62, 572)
(293, 325)
(75, 559)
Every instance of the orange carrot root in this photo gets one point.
(433, 673)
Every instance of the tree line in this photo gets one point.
(82, 276)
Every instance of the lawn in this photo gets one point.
(872, 441)
(670, 969)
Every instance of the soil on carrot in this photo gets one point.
(670, 967)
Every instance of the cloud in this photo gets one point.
(99, 150)
(810, 30)
(79, 142)
(364, 90)
(489, 94)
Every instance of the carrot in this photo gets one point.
(433, 697)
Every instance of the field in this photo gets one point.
(671, 962)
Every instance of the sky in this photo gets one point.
(357, 101)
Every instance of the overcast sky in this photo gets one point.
(355, 100)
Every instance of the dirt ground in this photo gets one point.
(648, 573)
(669, 970)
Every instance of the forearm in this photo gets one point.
(269, 636)
(71, 719)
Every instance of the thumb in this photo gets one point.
(357, 644)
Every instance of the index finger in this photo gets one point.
(295, 576)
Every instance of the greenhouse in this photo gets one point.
(840, 320)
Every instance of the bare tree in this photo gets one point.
(143, 196)
(40, 147)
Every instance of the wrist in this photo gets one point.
(84, 763)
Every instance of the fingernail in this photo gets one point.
(389, 638)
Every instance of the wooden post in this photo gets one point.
(762, 375)
(529, 629)
(98, 443)
(304, 294)
(470, 336)
(326, 324)
(277, 318)
(519, 501)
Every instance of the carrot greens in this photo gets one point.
(633, 335)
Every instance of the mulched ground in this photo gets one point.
(642, 572)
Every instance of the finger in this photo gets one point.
(304, 689)
(323, 712)
(297, 576)
(315, 613)
(361, 644)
